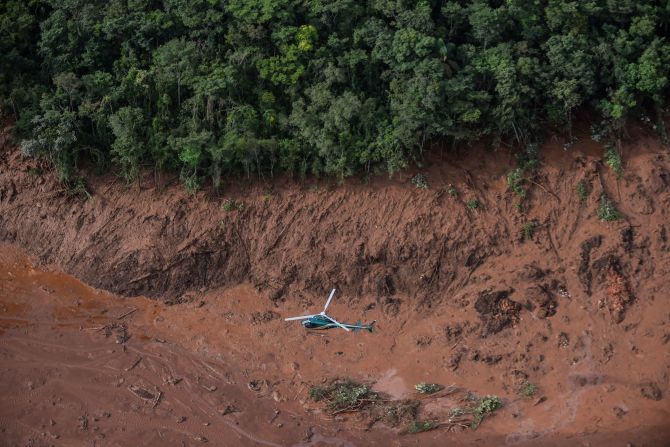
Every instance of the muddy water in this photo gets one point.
(80, 366)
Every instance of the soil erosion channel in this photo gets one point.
(568, 323)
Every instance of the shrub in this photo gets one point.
(582, 191)
(228, 205)
(527, 231)
(607, 211)
(487, 405)
(613, 160)
(421, 426)
(420, 181)
(514, 181)
(473, 204)
(452, 191)
(528, 389)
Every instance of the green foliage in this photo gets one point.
(607, 211)
(76, 187)
(527, 389)
(428, 388)
(613, 160)
(527, 162)
(485, 406)
(210, 89)
(421, 426)
(344, 394)
(128, 147)
(420, 181)
(527, 231)
(229, 205)
(582, 191)
(515, 181)
(452, 191)
(34, 172)
(473, 204)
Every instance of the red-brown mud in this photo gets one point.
(580, 309)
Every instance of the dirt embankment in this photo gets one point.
(486, 297)
(385, 238)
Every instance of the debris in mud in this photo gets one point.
(650, 390)
(263, 317)
(142, 393)
(618, 294)
(391, 306)
(563, 340)
(619, 412)
(257, 385)
(137, 362)
(496, 311)
(229, 409)
(455, 360)
(158, 398)
(453, 332)
(172, 380)
(125, 314)
(541, 299)
(428, 388)
(120, 329)
(423, 340)
(83, 422)
(582, 380)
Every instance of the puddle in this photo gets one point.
(393, 385)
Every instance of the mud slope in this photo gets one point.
(384, 239)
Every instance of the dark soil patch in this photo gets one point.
(497, 311)
(584, 271)
(541, 300)
(651, 391)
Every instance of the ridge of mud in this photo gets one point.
(385, 239)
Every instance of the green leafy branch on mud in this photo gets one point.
(349, 396)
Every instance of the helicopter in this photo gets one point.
(322, 321)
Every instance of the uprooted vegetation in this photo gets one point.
(428, 388)
(348, 396)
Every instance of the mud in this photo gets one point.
(580, 309)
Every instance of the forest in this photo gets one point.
(208, 89)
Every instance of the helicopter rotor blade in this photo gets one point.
(338, 323)
(304, 317)
(330, 298)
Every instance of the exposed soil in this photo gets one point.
(580, 309)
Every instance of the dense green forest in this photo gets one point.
(210, 88)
